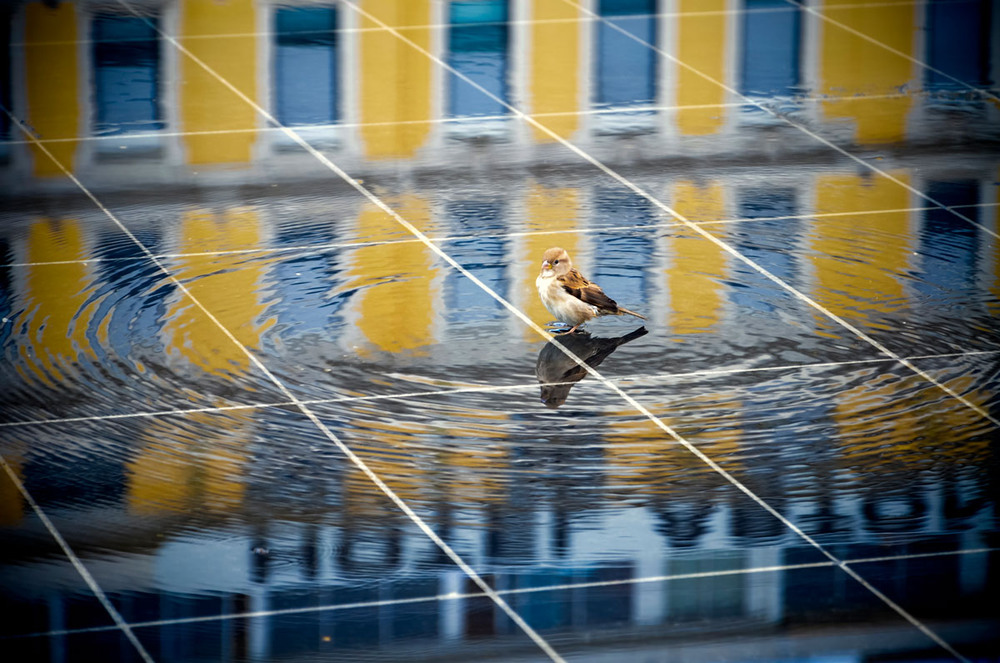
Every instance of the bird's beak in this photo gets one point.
(546, 265)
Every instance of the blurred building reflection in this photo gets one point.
(121, 107)
(129, 106)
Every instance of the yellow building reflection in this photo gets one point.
(646, 461)
(193, 464)
(851, 66)
(395, 79)
(697, 266)
(217, 118)
(227, 285)
(397, 283)
(57, 302)
(555, 68)
(850, 287)
(11, 501)
(52, 71)
(701, 44)
(892, 422)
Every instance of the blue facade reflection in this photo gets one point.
(306, 59)
(626, 69)
(127, 66)
(951, 23)
(771, 57)
(478, 49)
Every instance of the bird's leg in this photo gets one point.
(569, 331)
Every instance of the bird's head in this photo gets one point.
(556, 261)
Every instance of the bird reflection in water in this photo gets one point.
(557, 372)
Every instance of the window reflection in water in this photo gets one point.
(478, 49)
(306, 57)
(857, 245)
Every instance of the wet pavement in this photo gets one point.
(277, 383)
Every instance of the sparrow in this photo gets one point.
(569, 296)
(557, 372)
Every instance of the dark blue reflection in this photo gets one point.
(958, 44)
(412, 621)
(484, 257)
(770, 58)
(546, 610)
(305, 66)
(626, 68)
(215, 640)
(55, 481)
(478, 49)
(766, 204)
(6, 295)
(948, 244)
(131, 296)
(5, 23)
(302, 286)
(625, 262)
(126, 74)
(296, 634)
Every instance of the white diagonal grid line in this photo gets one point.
(643, 193)
(358, 462)
(798, 294)
(459, 596)
(784, 118)
(301, 404)
(806, 6)
(638, 406)
(302, 407)
(478, 389)
(95, 588)
(343, 175)
(313, 249)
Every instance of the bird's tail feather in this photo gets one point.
(622, 309)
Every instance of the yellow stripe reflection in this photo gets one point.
(395, 80)
(228, 286)
(850, 65)
(205, 104)
(555, 68)
(192, 465)
(51, 75)
(398, 291)
(701, 43)
(54, 301)
(11, 501)
(697, 266)
(859, 260)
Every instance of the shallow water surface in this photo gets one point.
(276, 382)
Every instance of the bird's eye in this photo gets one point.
(555, 262)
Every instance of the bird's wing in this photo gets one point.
(577, 285)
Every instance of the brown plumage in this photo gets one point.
(569, 295)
